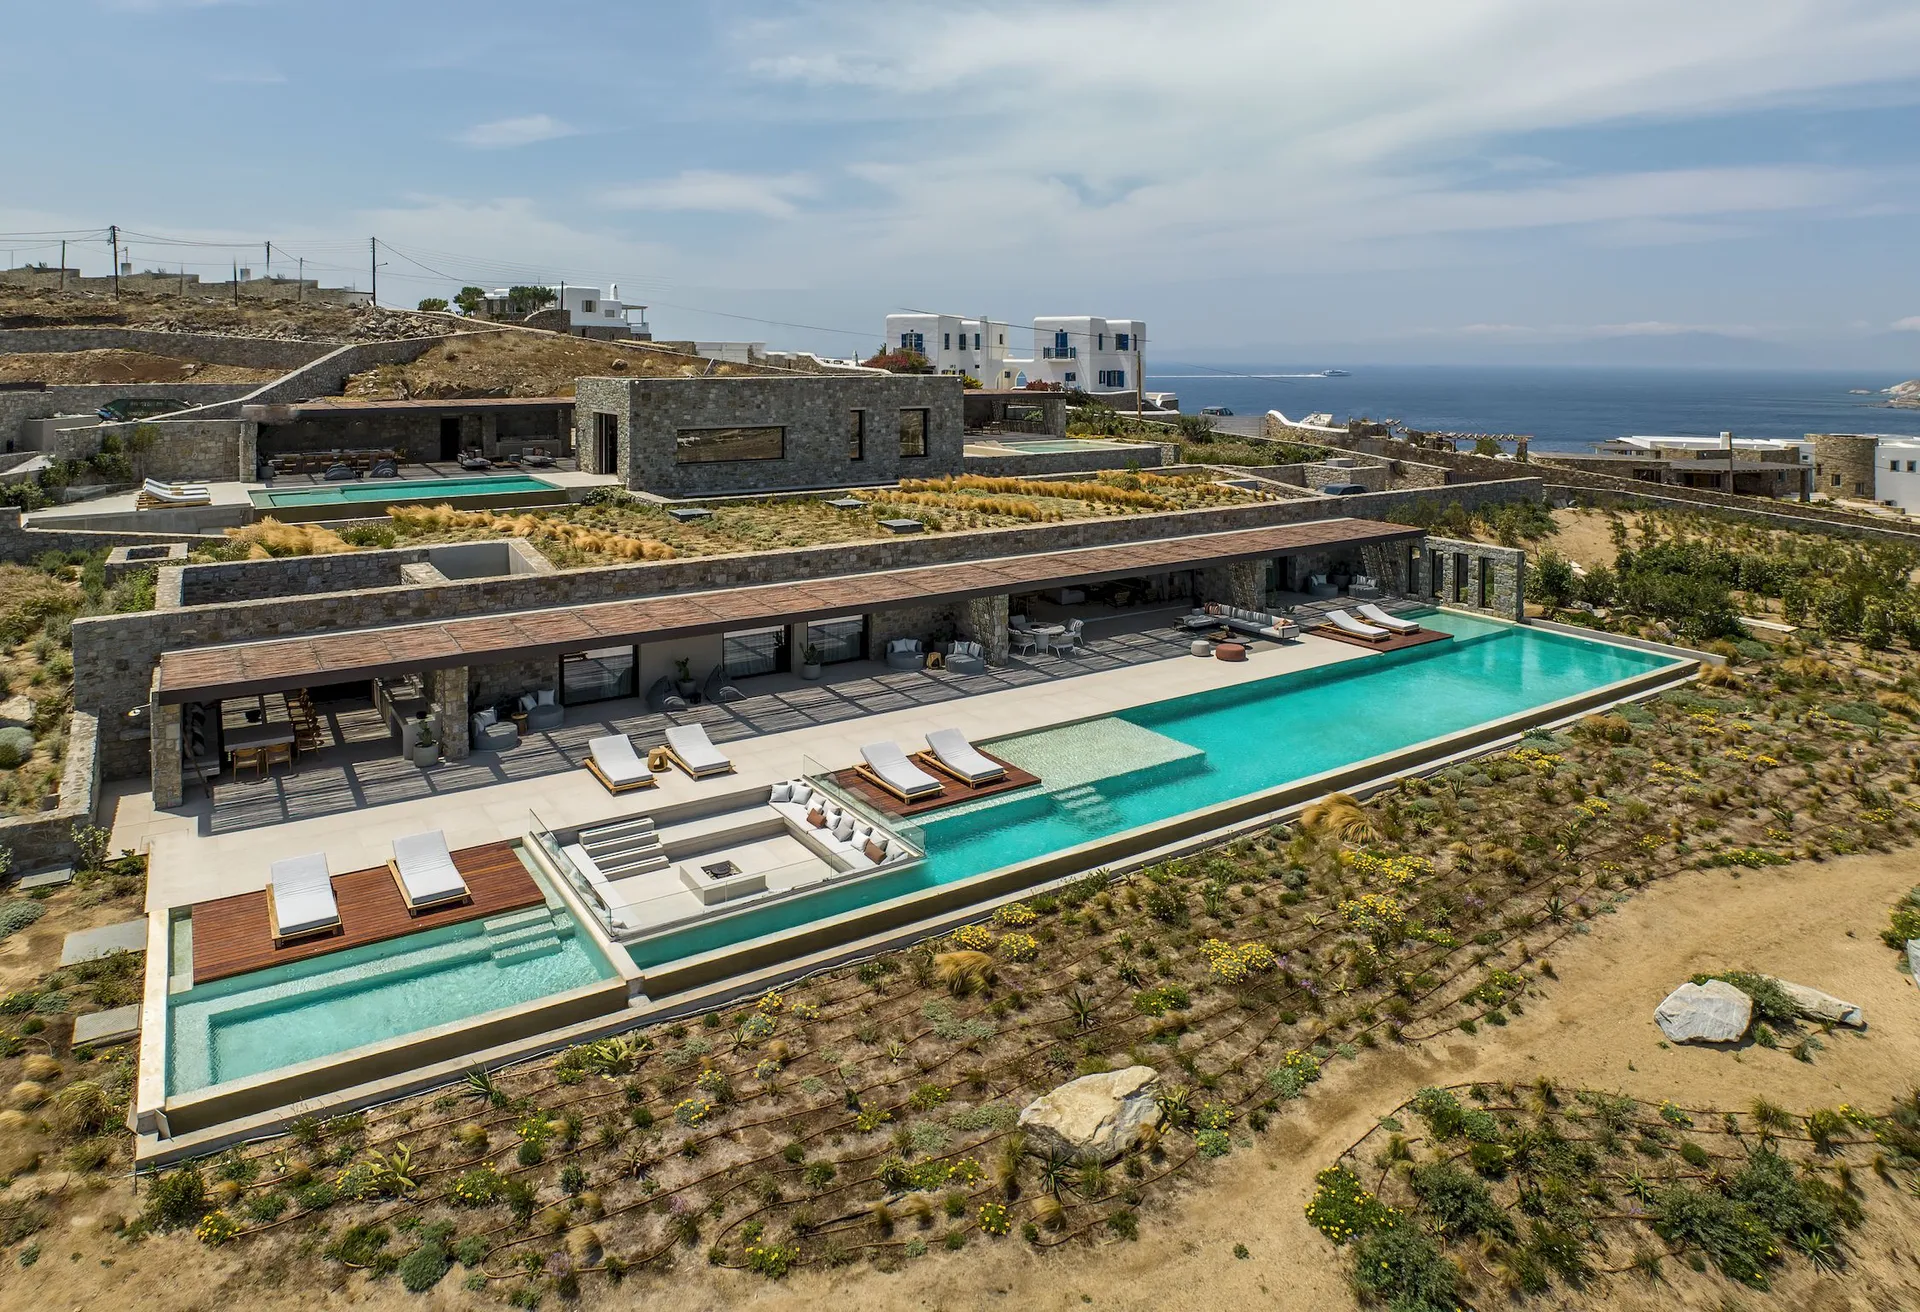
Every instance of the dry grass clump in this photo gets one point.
(963, 972)
(1098, 492)
(267, 538)
(1338, 815)
(579, 537)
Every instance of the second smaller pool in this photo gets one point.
(523, 487)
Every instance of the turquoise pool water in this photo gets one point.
(1048, 446)
(268, 1019)
(400, 489)
(1214, 747)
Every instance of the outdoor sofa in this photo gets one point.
(1255, 622)
(966, 658)
(543, 710)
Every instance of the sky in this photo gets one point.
(1451, 181)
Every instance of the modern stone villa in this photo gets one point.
(560, 801)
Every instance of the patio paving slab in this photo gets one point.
(91, 944)
(96, 1029)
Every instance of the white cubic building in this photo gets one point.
(593, 315)
(1080, 352)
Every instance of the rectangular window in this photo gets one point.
(705, 446)
(856, 435)
(754, 651)
(597, 676)
(1073, 378)
(913, 432)
(1893, 466)
(1910, 466)
(843, 638)
(1101, 339)
(1459, 576)
(1122, 342)
(586, 307)
(976, 341)
(1485, 589)
(946, 341)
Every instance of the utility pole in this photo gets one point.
(300, 283)
(236, 282)
(63, 264)
(113, 239)
(269, 271)
(373, 261)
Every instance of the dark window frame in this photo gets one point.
(925, 436)
(680, 447)
(857, 438)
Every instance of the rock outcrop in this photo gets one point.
(1815, 1005)
(1095, 1116)
(1714, 1012)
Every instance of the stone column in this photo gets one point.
(1242, 584)
(984, 620)
(447, 694)
(163, 744)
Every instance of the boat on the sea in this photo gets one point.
(1335, 373)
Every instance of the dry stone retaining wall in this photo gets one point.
(46, 838)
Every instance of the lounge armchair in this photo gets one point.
(300, 899)
(493, 734)
(689, 748)
(1363, 585)
(1022, 641)
(718, 690)
(423, 870)
(543, 710)
(1342, 622)
(611, 760)
(888, 768)
(1319, 586)
(1068, 641)
(949, 752)
(966, 658)
(1372, 614)
(662, 697)
(905, 654)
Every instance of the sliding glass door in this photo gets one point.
(755, 651)
(597, 676)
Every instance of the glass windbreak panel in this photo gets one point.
(913, 432)
(699, 446)
(597, 676)
(836, 640)
(754, 651)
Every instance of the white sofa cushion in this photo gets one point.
(782, 792)
(843, 828)
(486, 717)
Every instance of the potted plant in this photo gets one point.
(810, 662)
(426, 748)
(683, 682)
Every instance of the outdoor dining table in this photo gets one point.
(271, 734)
(1044, 634)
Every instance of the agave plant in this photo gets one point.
(1082, 1009)
(481, 1085)
(1058, 1172)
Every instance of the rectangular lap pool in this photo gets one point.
(323, 1006)
(524, 488)
(1106, 776)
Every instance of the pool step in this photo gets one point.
(530, 933)
(537, 947)
(624, 829)
(1088, 806)
(514, 920)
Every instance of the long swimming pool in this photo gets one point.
(402, 489)
(1103, 777)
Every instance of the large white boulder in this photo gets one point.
(1097, 1116)
(1815, 1005)
(1714, 1012)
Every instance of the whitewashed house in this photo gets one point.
(593, 314)
(1073, 351)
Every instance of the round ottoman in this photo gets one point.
(1200, 647)
(1229, 651)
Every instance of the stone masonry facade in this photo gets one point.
(831, 431)
(1473, 576)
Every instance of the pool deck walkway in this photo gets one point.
(232, 935)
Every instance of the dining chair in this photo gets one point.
(1020, 640)
(254, 758)
(279, 754)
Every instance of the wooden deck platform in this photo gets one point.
(953, 792)
(232, 935)
(1395, 643)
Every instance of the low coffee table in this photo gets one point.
(720, 881)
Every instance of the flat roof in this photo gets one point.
(278, 664)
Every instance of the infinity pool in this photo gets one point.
(1106, 776)
(400, 489)
(268, 1019)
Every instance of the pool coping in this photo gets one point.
(556, 495)
(159, 1144)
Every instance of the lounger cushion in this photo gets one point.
(426, 867)
(691, 744)
(615, 757)
(955, 752)
(303, 894)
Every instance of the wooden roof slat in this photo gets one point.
(276, 664)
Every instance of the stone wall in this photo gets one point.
(1473, 576)
(16, 408)
(984, 620)
(936, 621)
(113, 654)
(292, 576)
(190, 450)
(46, 838)
(488, 684)
(325, 376)
(1846, 465)
(20, 544)
(1241, 583)
(213, 348)
(814, 412)
(1129, 455)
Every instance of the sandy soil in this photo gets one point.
(1584, 537)
(1815, 923)
(63, 367)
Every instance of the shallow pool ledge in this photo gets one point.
(821, 936)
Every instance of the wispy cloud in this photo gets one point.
(1910, 324)
(525, 130)
(705, 190)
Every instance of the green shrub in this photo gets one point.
(424, 1267)
(1903, 922)
(1459, 1202)
(360, 1245)
(1770, 1001)
(16, 914)
(1399, 1266)
(177, 1199)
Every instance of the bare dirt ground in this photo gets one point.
(252, 316)
(68, 367)
(1815, 923)
(524, 364)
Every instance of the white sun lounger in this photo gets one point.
(1372, 614)
(888, 767)
(300, 898)
(611, 760)
(689, 748)
(1346, 623)
(949, 752)
(155, 493)
(425, 873)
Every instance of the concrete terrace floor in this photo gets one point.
(353, 808)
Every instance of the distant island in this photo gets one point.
(1905, 395)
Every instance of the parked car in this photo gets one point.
(1220, 410)
(130, 408)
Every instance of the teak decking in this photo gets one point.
(953, 792)
(1394, 643)
(232, 936)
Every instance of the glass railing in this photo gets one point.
(556, 857)
(822, 778)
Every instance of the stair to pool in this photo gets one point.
(628, 848)
(1089, 807)
(519, 935)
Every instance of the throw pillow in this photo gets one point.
(844, 830)
(875, 851)
(781, 792)
(545, 697)
(486, 718)
(817, 818)
(802, 794)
